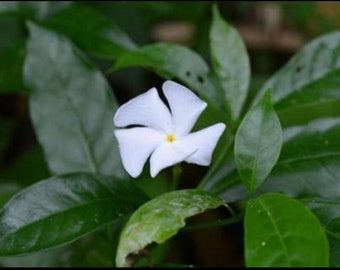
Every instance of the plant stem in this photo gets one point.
(176, 172)
(216, 164)
(228, 184)
(213, 224)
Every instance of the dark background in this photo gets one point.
(272, 31)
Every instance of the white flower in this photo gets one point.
(163, 133)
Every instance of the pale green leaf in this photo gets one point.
(161, 218)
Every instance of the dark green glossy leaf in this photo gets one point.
(71, 106)
(230, 61)
(282, 232)
(97, 33)
(61, 209)
(310, 78)
(161, 218)
(257, 144)
(92, 250)
(309, 164)
(328, 212)
(173, 61)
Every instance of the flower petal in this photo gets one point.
(147, 110)
(185, 106)
(169, 154)
(136, 145)
(205, 141)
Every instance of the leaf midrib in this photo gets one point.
(276, 229)
(311, 157)
(84, 139)
(81, 131)
(67, 210)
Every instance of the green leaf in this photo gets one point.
(257, 144)
(310, 78)
(96, 35)
(231, 63)
(71, 106)
(309, 163)
(173, 61)
(282, 232)
(61, 209)
(161, 218)
(92, 250)
(294, 116)
(308, 166)
(328, 213)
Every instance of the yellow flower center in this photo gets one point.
(170, 138)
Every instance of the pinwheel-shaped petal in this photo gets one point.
(162, 132)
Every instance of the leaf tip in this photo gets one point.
(30, 25)
(267, 99)
(214, 8)
(215, 11)
(267, 94)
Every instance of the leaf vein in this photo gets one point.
(276, 229)
(311, 157)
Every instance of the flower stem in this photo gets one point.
(176, 172)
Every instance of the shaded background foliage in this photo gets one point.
(272, 32)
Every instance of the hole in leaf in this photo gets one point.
(298, 69)
(200, 79)
(132, 258)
